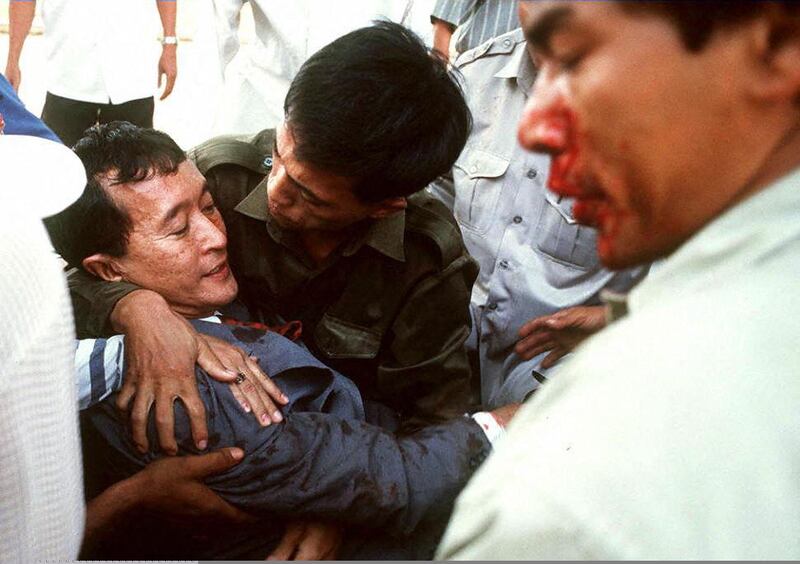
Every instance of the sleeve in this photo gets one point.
(93, 300)
(98, 369)
(453, 12)
(226, 16)
(428, 368)
(317, 465)
(19, 121)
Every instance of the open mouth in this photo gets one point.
(220, 270)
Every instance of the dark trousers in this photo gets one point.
(70, 118)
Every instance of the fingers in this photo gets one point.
(266, 382)
(202, 466)
(127, 392)
(534, 345)
(170, 85)
(555, 355)
(196, 411)
(209, 361)
(165, 425)
(139, 413)
(534, 325)
(289, 543)
(259, 401)
(239, 397)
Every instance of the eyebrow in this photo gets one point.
(176, 209)
(540, 34)
(308, 193)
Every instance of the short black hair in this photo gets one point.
(377, 106)
(114, 153)
(696, 21)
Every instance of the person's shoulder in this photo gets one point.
(494, 51)
(252, 152)
(432, 227)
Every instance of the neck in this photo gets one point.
(781, 160)
(321, 244)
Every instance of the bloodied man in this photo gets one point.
(674, 433)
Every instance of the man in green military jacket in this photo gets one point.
(326, 225)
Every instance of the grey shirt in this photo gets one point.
(534, 258)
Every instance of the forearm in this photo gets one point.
(20, 18)
(167, 11)
(442, 34)
(93, 302)
(138, 307)
(106, 511)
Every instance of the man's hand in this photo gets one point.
(13, 75)
(175, 486)
(168, 67)
(308, 541)
(161, 350)
(172, 487)
(252, 388)
(559, 333)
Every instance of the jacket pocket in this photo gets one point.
(339, 338)
(478, 177)
(561, 238)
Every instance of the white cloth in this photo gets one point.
(534, 259)
(675, 433)
(101, 50)
(41, 487)
(287, 33)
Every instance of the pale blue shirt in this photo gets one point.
(534, 258)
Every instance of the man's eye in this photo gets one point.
(570, 61)
(209, 209)
(181, 232)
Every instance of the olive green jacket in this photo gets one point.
(390, 309)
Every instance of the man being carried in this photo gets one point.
(147, 217)
(325, 227)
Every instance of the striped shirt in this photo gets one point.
(477, 20)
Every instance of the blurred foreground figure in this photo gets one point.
(674, 433)
(41, 486)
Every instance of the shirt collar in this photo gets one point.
(384, 235)
(519, 67)
(731, 244)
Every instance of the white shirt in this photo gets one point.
(41, 484)
(101, 50)
(673, 434)
(534, 258)
(287, 33)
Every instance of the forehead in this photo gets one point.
(151, 199)
(325, 185)
(540, 20)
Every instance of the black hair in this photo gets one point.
(113, 153)
(376, 106)
(697, 21)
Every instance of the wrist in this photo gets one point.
(139, 305)
(169, 41)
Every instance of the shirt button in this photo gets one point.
(507, 42)
(473, 169)
(532, 173)
(503, 263)
(517, 219)
(492, 306)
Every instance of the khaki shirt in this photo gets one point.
(390, 309)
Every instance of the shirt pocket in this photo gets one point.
(478, 178)
(339, 338)
(561, 238)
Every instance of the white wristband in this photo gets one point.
(494, 431)
(169, 40)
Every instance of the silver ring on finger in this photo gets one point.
(240, 377)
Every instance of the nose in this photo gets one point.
(278, 190)
(546, 125)
(212, 234)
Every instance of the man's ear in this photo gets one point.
(103, 266)
(388, 207)
(776, 42)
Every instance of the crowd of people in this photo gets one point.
(525, 295)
